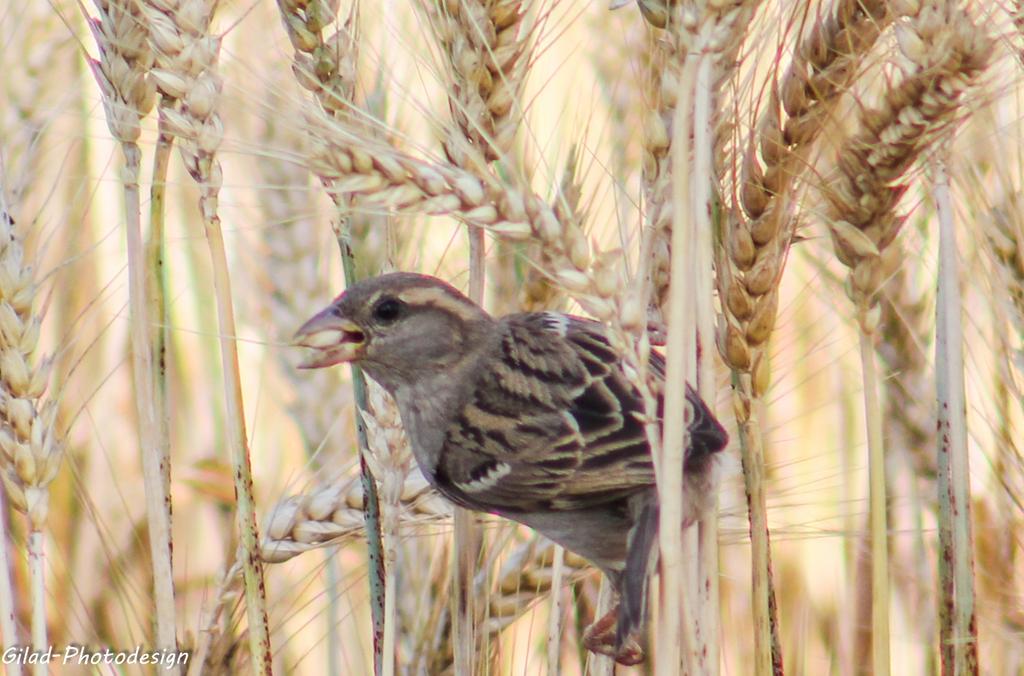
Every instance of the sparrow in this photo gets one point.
(531, 417)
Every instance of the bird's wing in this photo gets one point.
(552, 423)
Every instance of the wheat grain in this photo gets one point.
(487, 47)
(947, 53)
(538, 292)
(324, 65)
(332, 515)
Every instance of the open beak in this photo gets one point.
(331, 340)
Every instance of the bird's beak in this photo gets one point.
(332, 339)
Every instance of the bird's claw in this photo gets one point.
(600, 638)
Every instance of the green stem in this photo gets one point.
(238, 442)
(371, 501)
(767, 645)
(155, 464)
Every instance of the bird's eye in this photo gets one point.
(387, 310)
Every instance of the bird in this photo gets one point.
(532, 417)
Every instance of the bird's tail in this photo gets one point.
(641, 559)
(707, 439)
(707, 436)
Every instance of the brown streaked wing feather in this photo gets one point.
(552, 424)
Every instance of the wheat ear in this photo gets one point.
(755, 244)
(370, 174)
(946, 53)
(190, 84)
(332, 515)
(31, 447)
(376, 176)
(487, 47)
(32, 94)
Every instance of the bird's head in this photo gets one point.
(399, 327)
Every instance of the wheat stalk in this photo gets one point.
(953, 465)
(187, 76)
(486, 48)
(996, 556)
(681, 79)
(389, 456)
(909, 420)
(128, 94)
(8, 624)
(295, 292)
(1006, 239)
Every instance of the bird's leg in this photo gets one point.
(600, 638)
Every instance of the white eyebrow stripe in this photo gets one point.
(488, 480)
(439, 298)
